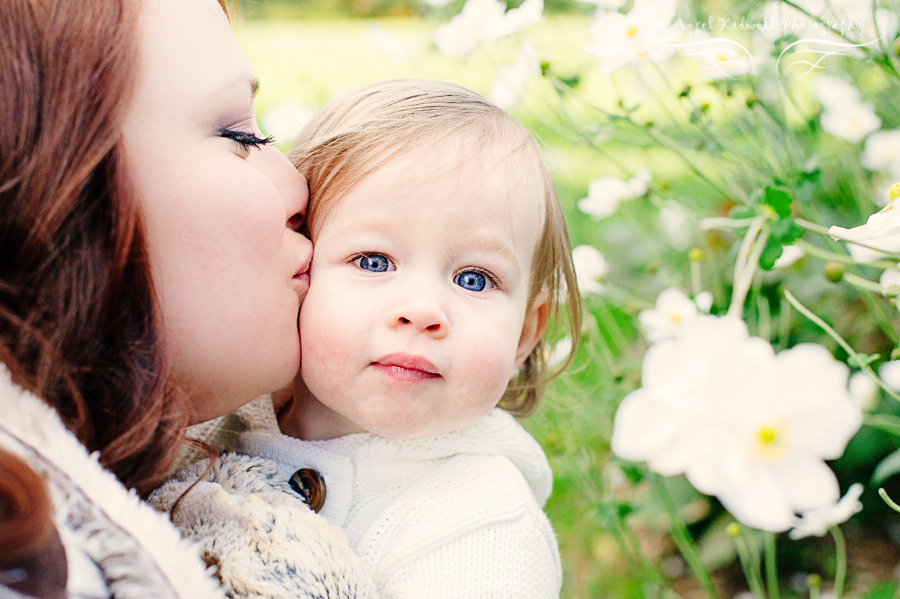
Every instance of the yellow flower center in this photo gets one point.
(675, 318)
(631, 31)
(771, 442)
(768, 435)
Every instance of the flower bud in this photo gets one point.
(895, 354)
(894, 191)
(695, 255)
(834, 271)
(814, 580)
(891, 291)
(733, 529)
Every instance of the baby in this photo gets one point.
(440, 258)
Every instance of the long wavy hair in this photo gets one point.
(79, 324)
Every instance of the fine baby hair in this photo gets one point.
(366, 129)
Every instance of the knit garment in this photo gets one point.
(457, 515)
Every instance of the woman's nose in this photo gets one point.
(290, 184)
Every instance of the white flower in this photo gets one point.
(719, 58)
(818, 521)
(512, 79)
(834, 92)
(852, 123)
(890, 276)
(845, 115)
(882, 152)
(672, 312)
(863, 255)
(864, 390)
(560, 352)
(676, 222)
(484, 21)
(890, 374)
(888, 23)
(742, 423)
(606, 193)
(789, 255)
(641, 36)
(387, 43)
(590, 265)
(704, 301)
(881, 231)
(285, 120)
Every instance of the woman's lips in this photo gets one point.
(406, 367)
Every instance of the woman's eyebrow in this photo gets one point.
(254, 86)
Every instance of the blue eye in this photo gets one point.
(472, 280)
(374, 262)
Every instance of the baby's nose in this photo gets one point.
(424, 317)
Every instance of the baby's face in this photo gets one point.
(418, 296)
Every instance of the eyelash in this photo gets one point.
(247, 140)
(490, 277)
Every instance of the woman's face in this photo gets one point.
(220, 215)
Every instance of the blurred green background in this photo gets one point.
(610, 532)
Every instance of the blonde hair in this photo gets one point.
(359, 133)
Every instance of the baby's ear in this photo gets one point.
(537, 318)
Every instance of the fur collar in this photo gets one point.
(138, 550)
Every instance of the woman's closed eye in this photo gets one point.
(374, 263)
(246, 140)
(475, 280)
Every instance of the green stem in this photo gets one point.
(683, 540)
(890, 502)
(696, 286)
(743, 280)
(751, 569)
(811, 226)
(771, 565)
(755, 558)
(827, 255)
(861, 283)
(840, 340)
(840, 569)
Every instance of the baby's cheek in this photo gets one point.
(488, 376)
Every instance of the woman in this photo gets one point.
(151, 273)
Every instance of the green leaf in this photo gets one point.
(886, 468)
(811, 176)
(779, 200)
(786, 231)
(633, 471)
(770, 254)
(623, 510)
(864, 360)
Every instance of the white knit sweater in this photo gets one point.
(458, 515)
(115, 544)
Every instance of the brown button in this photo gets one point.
(310, 485)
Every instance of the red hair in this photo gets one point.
(78, 314)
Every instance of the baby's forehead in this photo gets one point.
(500, 184)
